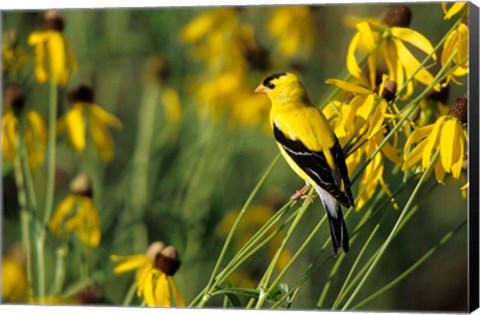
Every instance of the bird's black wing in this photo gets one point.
(337, 153)
(315, 165)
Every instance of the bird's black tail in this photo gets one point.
(338, 231)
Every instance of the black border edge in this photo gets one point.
(473, 159)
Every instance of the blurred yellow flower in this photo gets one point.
(18, 119)
(154, 274)
(384, 42)
(454, 9)
(14, 280)
(228, 49)
(446, 135)
(78, 214)
(84, 111)
(456, 43)
(13, 56)
(54, 58)
(292, 27)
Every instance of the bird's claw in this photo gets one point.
(300, 194)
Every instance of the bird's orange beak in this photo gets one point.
(261, 89)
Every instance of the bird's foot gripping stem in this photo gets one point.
(300, 194)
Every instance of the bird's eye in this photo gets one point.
(270, 85)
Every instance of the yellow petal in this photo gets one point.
(129, 263)
(63, 209)
(179, 301)
(58, 58)
(102, 139)
(415, 156)
(352, 64)
(148, 288)
(171, 105)
(431, 142)
(447, 144)
(454, 9)
(418, 135)
(9, 136)
(75, 122)
(162, 291)
(458, 153)
(414, 38)
(105, 117)
(367, 36)
(347, 86)
(411, 64)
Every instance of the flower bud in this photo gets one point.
(154, 249)
(81, 93)
(400, 16)
(459, 109)
(167, 261)
(52, 21)
(82, 185)
(13, 97)
(389, 90)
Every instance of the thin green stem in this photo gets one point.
(413, 267)
(264, 293)
(59, 270)
(393, 232)
(130, 294)
(234, 228)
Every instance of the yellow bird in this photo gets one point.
(310, 147)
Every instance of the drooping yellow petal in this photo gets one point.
(367, 36)
(75, 122)
(454, 9)
(415, 156)
(431, 142)
(148, 288)
(458, 152)
(9, 135)
(410, 63)
(179, 301)
(352, 64)
(102, 139)
(417, 135)
(447, 144)
(416, 39)
(63, 209)
(58, 58)
(104, 117)
(162, 291)
(349, 87)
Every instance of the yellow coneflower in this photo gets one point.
(454, 9)
(362, 119)
(384, 42)
(18, 119)
(448, 135)
(293, 30)
(84, 112)
(456, 43)
(78, 214)
(54, 58)
(154, 274)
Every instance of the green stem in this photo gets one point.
(253, 194)
(393, 231)
(130, 294)
(59, 270)
(413, 267)
(41, 230)
(265, 293)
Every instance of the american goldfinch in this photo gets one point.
(310, 147)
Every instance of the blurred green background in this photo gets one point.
(201, 170)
